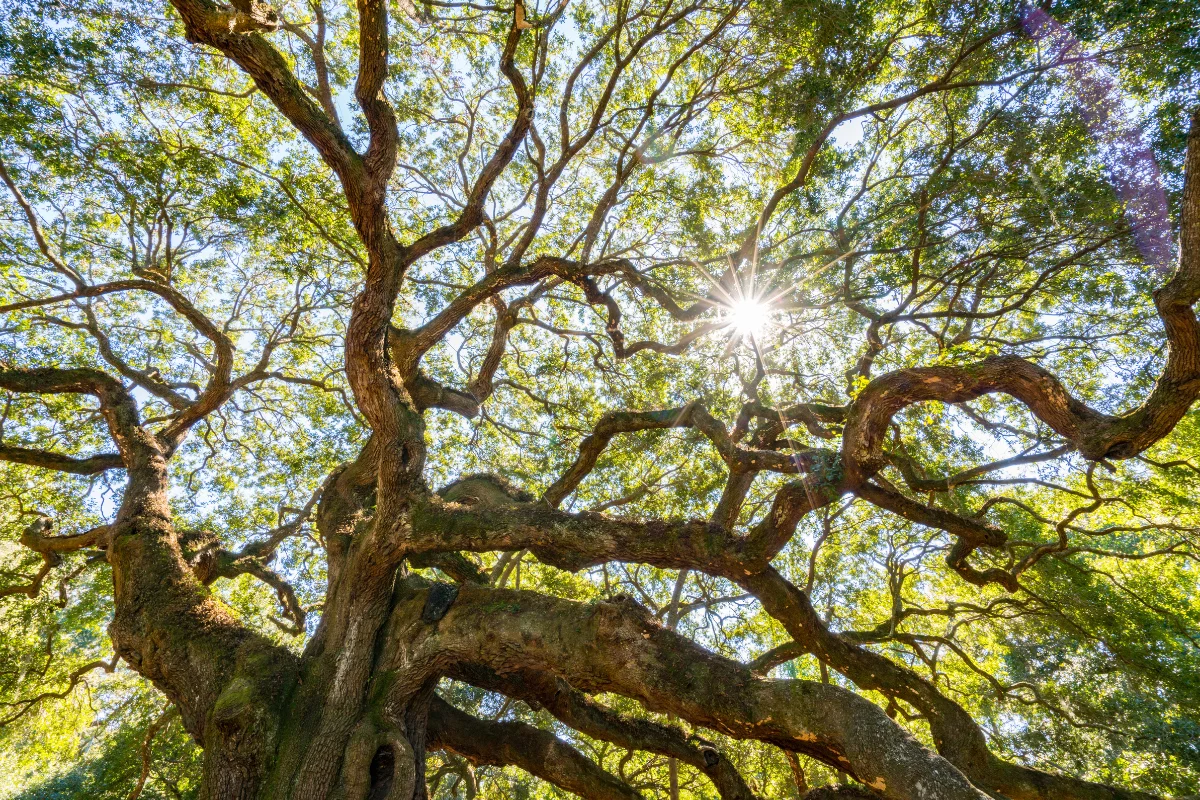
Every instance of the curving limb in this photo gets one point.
(1096, 435)
(957, 736)
(619, 647)
(78, 676)
(580, 712)
(570, 190)
(536, 751)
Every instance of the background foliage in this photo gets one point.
(134, 170)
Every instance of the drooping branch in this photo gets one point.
(151, 731)
(35, 228)
(50, 560)
(971, 533)
(483, 384)
(209, 561)
(1096, 435)
(611, 424)
(22, 707)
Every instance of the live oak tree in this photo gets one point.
(402, 389)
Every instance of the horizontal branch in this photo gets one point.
(46, 459)
(567, 541)
(36, 537)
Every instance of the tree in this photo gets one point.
(866, 320)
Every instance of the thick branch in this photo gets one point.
(380, 158)
(37, 538)
(578, 711)
(235, 34)
(619, 647)
(536, 751)
(568, 541)
(116, 405)
(47, 459)
(1094, 434)
(955, 733)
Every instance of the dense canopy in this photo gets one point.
(617, 398)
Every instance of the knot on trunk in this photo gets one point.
(441, 596)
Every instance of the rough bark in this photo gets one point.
(580, 712)
(353, 716)
(536, 751)
(619, 647)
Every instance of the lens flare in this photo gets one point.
(1131, 166)
(748, 317)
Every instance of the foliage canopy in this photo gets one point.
(643, 397)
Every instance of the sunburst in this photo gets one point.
(748, 310)
(749, 318)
